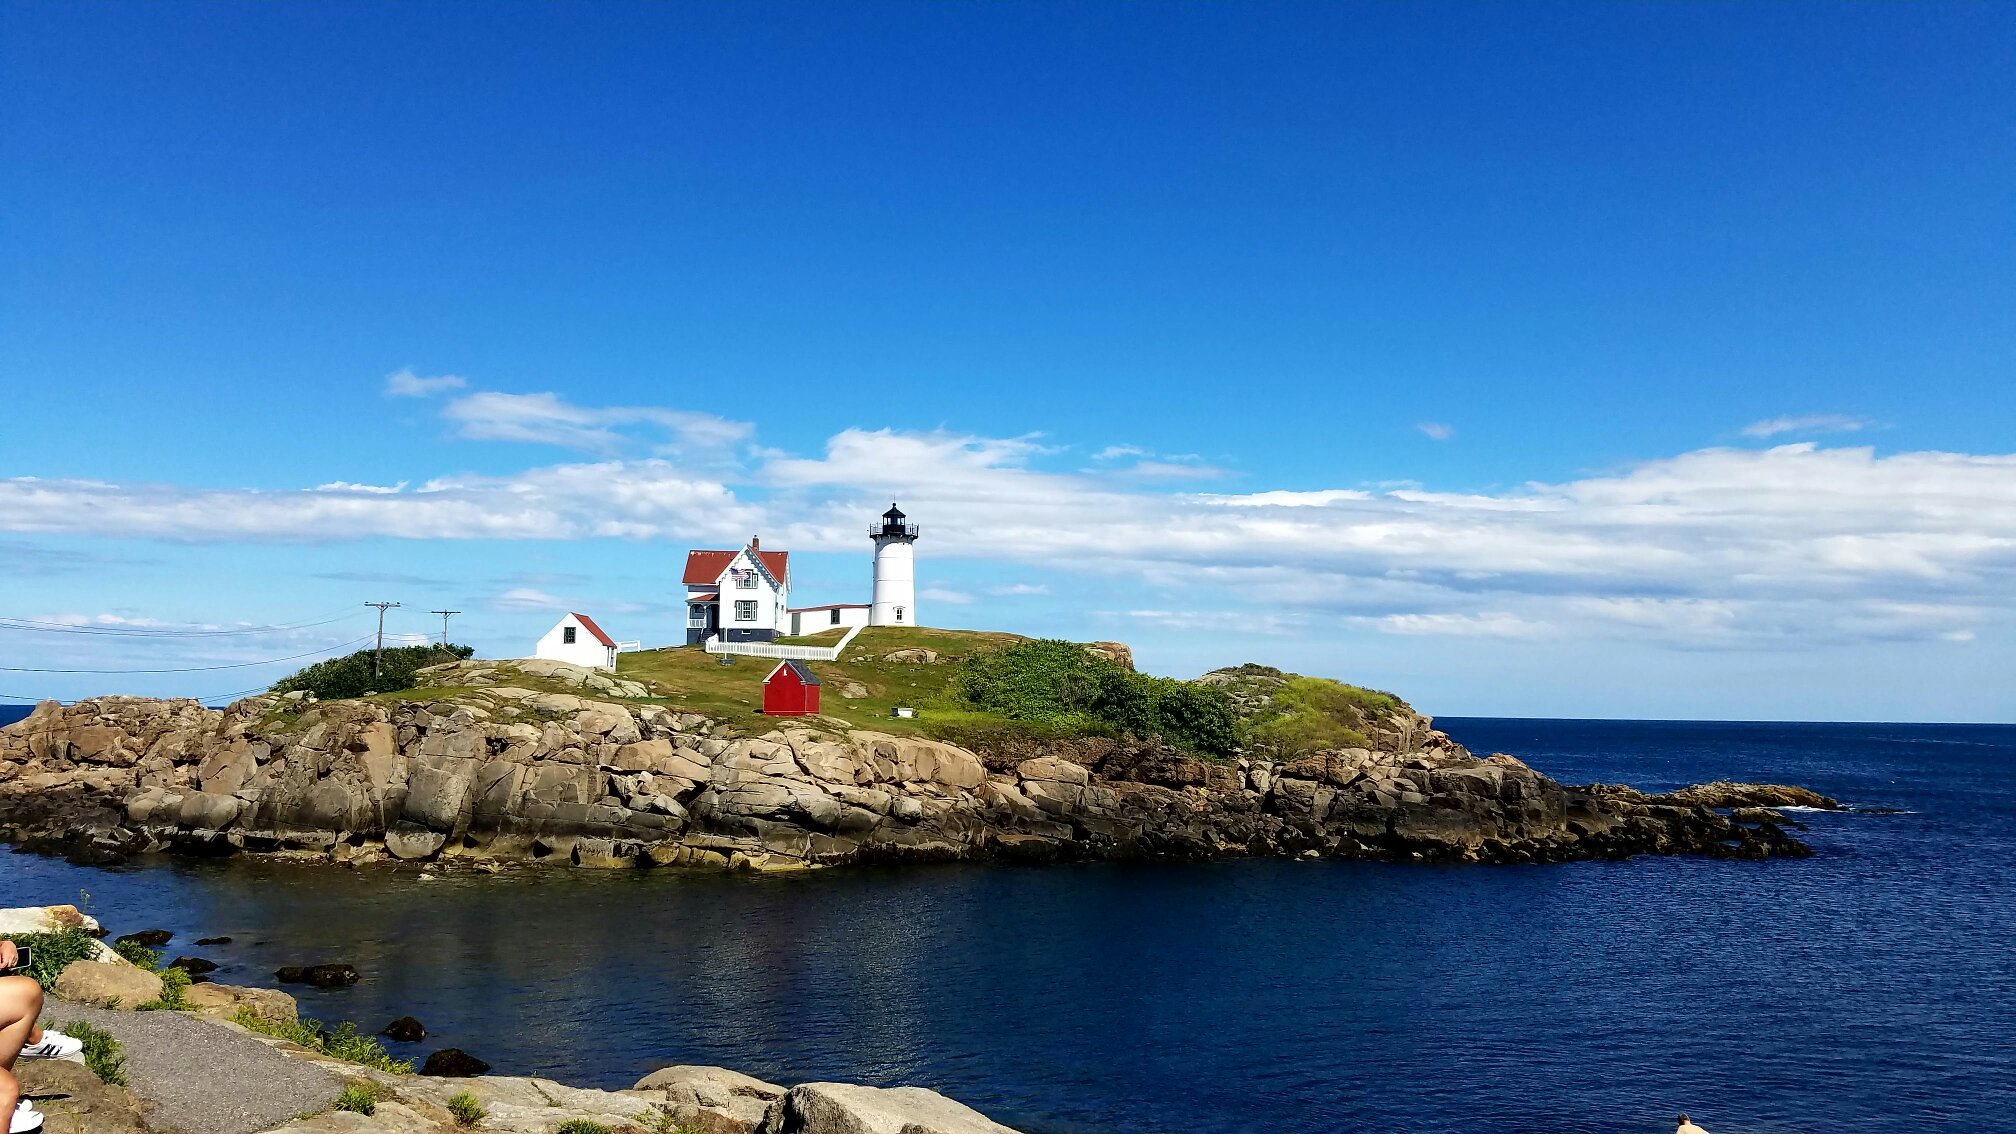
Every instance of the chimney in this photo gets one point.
(755, 544)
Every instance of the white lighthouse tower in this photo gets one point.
(895, 600)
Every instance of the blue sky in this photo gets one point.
(1589, 359)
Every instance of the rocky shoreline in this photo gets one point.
(512, 767)
(252, 1081)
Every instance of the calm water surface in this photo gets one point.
(1872, 988)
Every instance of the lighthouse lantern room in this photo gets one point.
(895, 598)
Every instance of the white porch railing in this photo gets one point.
(714, 645)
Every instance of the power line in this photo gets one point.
(379, 650)
(44, 627)
(444, 624)
(196, 668)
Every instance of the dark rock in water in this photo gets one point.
(453, 1063)
(213, 941)
(194, 966)
(1722, 793)
(151, 938)
(321, 976)
(406, 1029)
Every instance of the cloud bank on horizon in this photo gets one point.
(1796, 545)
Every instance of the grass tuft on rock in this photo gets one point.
(140, 955)
(345, 1042)
(582, 1126)
(102, 1053)
(174, 992)
(466, 1109)
(360, 1097)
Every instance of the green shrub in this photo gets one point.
(53, 952)
(1314, 714)
(102, 1053)
(466, 1109)
(360, 1097)
(174, 991)
(343, 1043)
(350, 675)
(1063, 685)
(582, 1126)
(139, 954)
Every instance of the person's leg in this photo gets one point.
(20, 1009)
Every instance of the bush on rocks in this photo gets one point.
(54, 952)
(350, 676)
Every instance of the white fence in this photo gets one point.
(715, 645)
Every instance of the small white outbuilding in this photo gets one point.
(578, 640)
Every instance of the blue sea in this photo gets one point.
(1869, 989)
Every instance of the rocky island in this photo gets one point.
(491, 762)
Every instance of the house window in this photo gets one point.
(567, 636)
(744, 578)
(836, 616)
(745, 610)
(697, 616)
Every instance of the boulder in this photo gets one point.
(715, 1089)
(321, 976)
(75, 1101)
(453, 1063)
(914, 655)
(412, 842)
(223, 1001)
(194, 966)
(1116, 652)
(406, 1029)
(851, 690)
(151, 938)
(846, 1108)
(105, 985)
(213, 941)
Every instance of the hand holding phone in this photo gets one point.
(22, 959)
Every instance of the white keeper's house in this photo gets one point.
(744, 596)
(577, 639)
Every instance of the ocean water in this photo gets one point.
(1871, 988)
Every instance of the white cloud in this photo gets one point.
(1806, 423)
(1119, 452)
(1436, 430)
(945, 595)
(374, 489)
(403, 383)
(1487, 624)
(1017, 590)
(1741, 548)
(521, 599)
(549, 419)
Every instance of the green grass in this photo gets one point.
(360, 1096)
(466, 1109)
(140, 955)
(102, 1053)
(582, 1126)
(696, 681)
(53, 952)
(174, 992)
(345, 1042)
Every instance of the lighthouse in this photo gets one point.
(895, 599)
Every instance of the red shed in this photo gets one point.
(791, 690)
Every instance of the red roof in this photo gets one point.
(592, 628)
(706, 566)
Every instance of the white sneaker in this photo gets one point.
(53, 1045)
(27, 1120)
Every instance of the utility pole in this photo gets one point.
(379, 650)
(444, 624)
